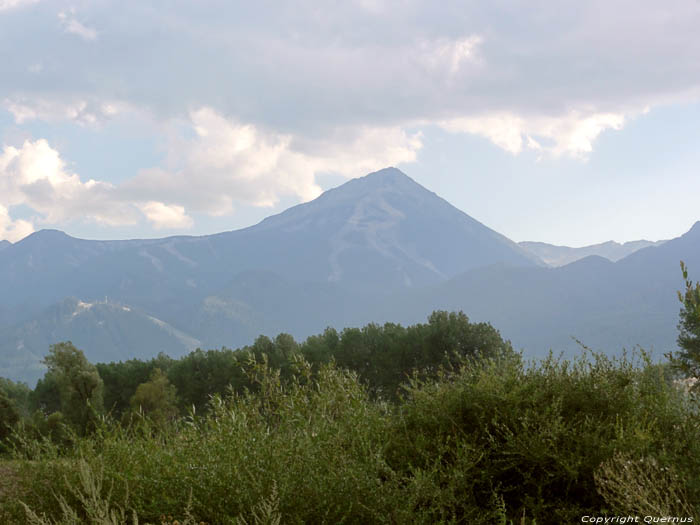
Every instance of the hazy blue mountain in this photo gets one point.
(261, 302)
(554, 255)
(315, 264)
(110, 331)
(379, 248)
(4, 244)
(608, 306)
(383, 229)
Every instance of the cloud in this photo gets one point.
(73, 26)
(13, 231)
(12, 4)
(80, 111)
(163, 216)
(214, 165)
(381, 64)
(255, 107)
(572, 134)
(34, 175)
(227, 162)
(451, 54)
(509, 72)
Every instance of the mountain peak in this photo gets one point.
(388, 174)
(384, 178)
(45, 235)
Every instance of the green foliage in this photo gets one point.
(201, 374)
(46, 396)
(121, 381)
(9, 417)
(156, 398)
(688, 359)
(487, 441)
(386, 356)
(433, 423)
(19, 393)
(79, 385)
(642, 487)
(94, 503)
(266, 512)
(535, 435)
(383, 356)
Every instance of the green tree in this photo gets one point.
(9, 416)
(19, 393)
(79, 384)
(156, 398)
(200, 374)
(46, 396)
(688, 359)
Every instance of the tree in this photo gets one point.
(79, 385)
(688, 359)
(156, 398)
(9, 416)
(19, 394)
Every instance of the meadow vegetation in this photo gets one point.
(441, 422)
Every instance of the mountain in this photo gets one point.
(384, 229)
(315, 264)
(606, 305)
(4, 244)
(258, 302)
(110, 330)
(553, 255)
(379, 248)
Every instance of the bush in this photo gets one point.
(536, 435)
(488, 441)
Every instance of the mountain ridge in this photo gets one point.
(559, 255)
(369, 237)
(377, 249)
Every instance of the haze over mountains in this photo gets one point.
(553, 255)
(379, 248)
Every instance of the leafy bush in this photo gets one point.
(492, 440)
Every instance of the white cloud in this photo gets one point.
(35, 175)
(224, 163)
(228, 162)
(13, 231)
(80, 111)
(571, 134)
(503, 129)
(11, 4)
(73, 26)
(163, 216)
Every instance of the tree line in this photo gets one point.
(77, 393)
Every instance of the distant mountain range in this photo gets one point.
(379, 248)
(553, 255)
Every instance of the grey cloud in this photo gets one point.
(310, 65)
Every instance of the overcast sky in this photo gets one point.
(564, 122)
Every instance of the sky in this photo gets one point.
(564, 122)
